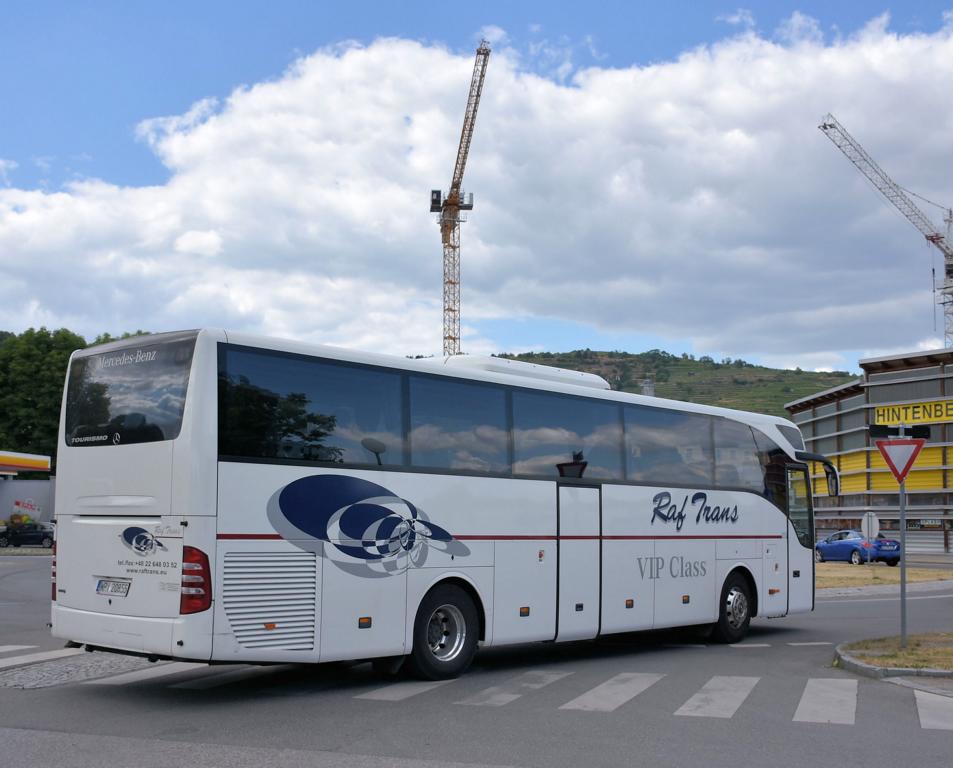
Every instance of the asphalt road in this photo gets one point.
(653, 699)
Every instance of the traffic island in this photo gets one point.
(927, 655)
(841, 575)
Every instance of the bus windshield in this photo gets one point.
(135, 394)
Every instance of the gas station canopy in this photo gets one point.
(11, 463)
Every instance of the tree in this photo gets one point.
(32, 372)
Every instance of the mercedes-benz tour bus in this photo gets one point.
(228, 498)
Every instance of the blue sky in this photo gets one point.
(79, 76)
(94, 189)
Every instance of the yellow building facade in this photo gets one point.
(915, 388)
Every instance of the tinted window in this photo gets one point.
(736, 456)
(131, 395)
(664, 446)
(277, 406)
(456, 425)
(793, 436)
(556, 435)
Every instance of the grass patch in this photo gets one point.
(933, 650)
(846, 575)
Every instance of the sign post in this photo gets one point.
(900, 453)
(870, 527)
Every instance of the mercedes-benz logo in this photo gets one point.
(116, 439)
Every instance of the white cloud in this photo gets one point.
(742, 17)
(693, 200)
(5, 167)
(800, 28)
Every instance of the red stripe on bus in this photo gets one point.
(276, 536)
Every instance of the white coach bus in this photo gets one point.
(222, 497)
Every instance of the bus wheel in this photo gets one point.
(445, 633)
(734, 613)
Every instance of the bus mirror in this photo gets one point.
(833, 480)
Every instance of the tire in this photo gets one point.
(893, 563)
(734, 613)
(4, 542)
(818, 557)
(446, 631)
(855, 558)
(47, 542)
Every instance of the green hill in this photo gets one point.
(729, 383)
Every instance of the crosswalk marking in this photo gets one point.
(402, 690)
(935, 711)
(12, 648)
(817, 642)
(828, 700)
(221, 677)
(719, 697)
(614, 692)
(34, 658)
(498, 695)
(149, 673)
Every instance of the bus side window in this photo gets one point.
(663, 446)
(736, 456)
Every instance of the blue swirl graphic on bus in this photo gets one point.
(140, 541)
(361, 519)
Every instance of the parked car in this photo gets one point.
(852, 546)
(27, 533)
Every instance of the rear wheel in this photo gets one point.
(855, 557)
(893, 563)
(734, 613)
(445, 633)
(818, 557)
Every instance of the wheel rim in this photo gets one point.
(854, 558)
(446, 632)
(736, 608)
(817, 556)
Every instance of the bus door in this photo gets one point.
(579, 528)
(800, 546)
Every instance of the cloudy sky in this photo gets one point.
(643, 177)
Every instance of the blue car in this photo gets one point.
(852, 547)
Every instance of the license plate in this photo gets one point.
(107, 587)
(887, 546)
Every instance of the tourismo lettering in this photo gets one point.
(127, 358)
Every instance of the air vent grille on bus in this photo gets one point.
(270, 599)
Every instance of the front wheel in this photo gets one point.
(734, 614)
(4, 542)
(855, 557)
(47, 542)
(445, 633)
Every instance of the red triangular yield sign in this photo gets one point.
(900, 454)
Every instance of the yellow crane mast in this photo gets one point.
(450, 207)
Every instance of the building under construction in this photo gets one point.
(915, 388)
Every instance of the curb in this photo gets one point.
(845, 661)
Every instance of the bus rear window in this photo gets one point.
(135, 394)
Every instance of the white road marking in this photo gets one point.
(220, 677)
(828, 700)
(751, 645)
(402, 690)
(684, 645)
(935, 711)
(719, 697)
(614, 692)
(498, 695)
(12, 648)
(149, 673)
(819, 642)
(34, 658)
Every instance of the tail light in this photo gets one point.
(53, 575)
(196, 592)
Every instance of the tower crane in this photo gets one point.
(903, 202)
(450, 207)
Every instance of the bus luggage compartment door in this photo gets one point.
(579, 511)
